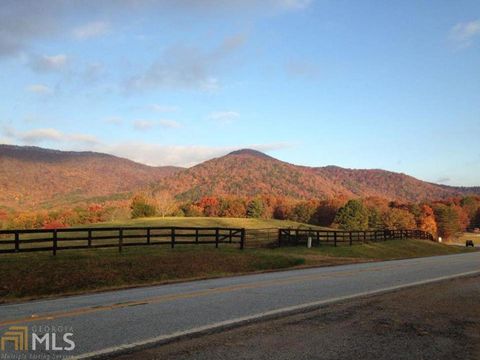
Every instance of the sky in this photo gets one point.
(359, 84)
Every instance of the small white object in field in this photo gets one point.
(439, 239)
(309, 242)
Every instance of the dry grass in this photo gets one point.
(209, 222)
(35, 275)
(41, 274)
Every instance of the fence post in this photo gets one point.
(17, 242)
(55, 242)
(230, 236)
(334, 238)
(216, 237)
(89, 238)
(242, 239)
(364, 237)
(350, 238)
(279, 237)
(196, 236)
(173, 237)
(120, 240)
(148, 236)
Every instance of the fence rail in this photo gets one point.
(292, 237)
(15, 241)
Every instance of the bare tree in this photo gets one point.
(164, 202)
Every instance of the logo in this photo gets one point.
(18, 335)
(49, 338)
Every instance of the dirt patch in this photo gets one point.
(436, 321)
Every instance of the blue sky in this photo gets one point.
(359, 84)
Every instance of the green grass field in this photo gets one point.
(209, 222)
(460, 240)
(260, 230)
(36, 275)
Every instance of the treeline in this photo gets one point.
(65, 217)
(441, 218)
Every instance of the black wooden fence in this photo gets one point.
(15, 241)
(293, 237)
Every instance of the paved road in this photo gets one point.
(400, 325)
(117, 320)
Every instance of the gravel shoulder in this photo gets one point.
(435, 321)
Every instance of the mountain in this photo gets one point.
(249, 173)
(32, 176)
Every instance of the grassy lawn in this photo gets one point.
(460, 240)
(36, 275)
(209, 222)
(259, 231)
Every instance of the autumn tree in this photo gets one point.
(255, 208)
(426, 220)
(375, 219)
(164, 203)
(141, 206)
(304, 212)
(326, 212)
(476, 220)
(282, 210)
(396, 218)
(191, 210)
(352, 216)
(233, 207)
(448, 220)
(209, 206)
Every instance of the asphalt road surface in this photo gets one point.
(437, 321)
(120, 320)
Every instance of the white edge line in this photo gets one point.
(290, 310)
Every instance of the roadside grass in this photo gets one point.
(35, 275)
(386, 250)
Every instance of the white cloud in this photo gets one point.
(186, 156)
(142, 152)
(22, 22)
(185, 67)
(141, 124)
(82, 138)
(47, 63)
(224, 117)
(114, 120)
(39, 89)
(163, 108)
(293, 4)
(91, 30)
(464, 34)
(172, 124)
(40, 135)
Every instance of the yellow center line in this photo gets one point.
(188, 295)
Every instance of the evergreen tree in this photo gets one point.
(255, 208)
(352, 216)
